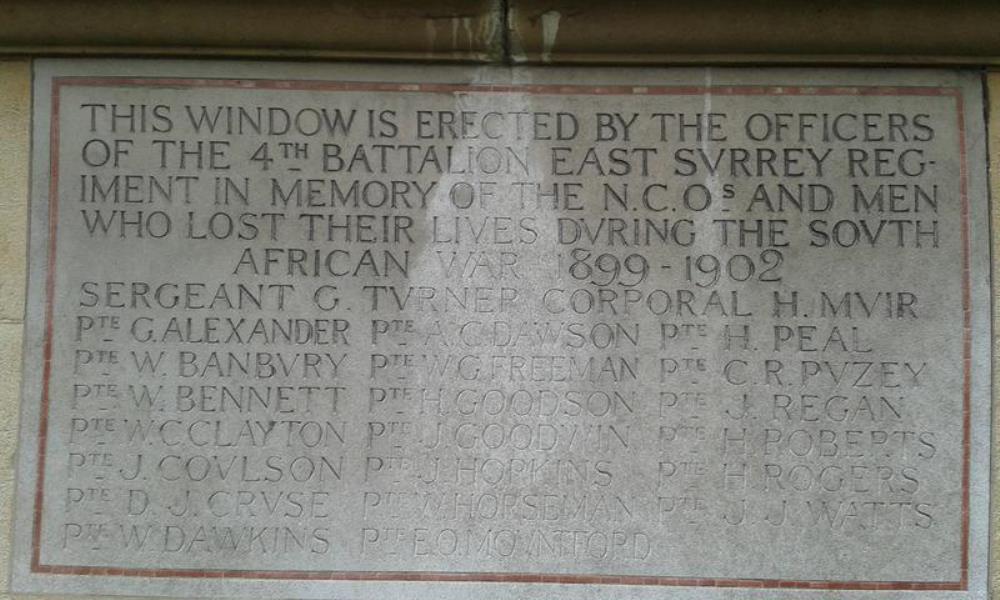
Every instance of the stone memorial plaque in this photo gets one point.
(361, 331)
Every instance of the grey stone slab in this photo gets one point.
(364, 331)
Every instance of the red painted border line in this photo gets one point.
(539, 89)
(477, 577)
(966, 339)
(50, 284)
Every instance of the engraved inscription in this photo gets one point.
(583, 330)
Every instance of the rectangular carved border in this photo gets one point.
(37, 566)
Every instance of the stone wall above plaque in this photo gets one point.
(363, 331)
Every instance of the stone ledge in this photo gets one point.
(931, 32)
(783, 31)
(443, 30)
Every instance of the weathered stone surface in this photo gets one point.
(13, 242)
(15, 89)
(15, 86)
(10, 380)
(317, 331)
